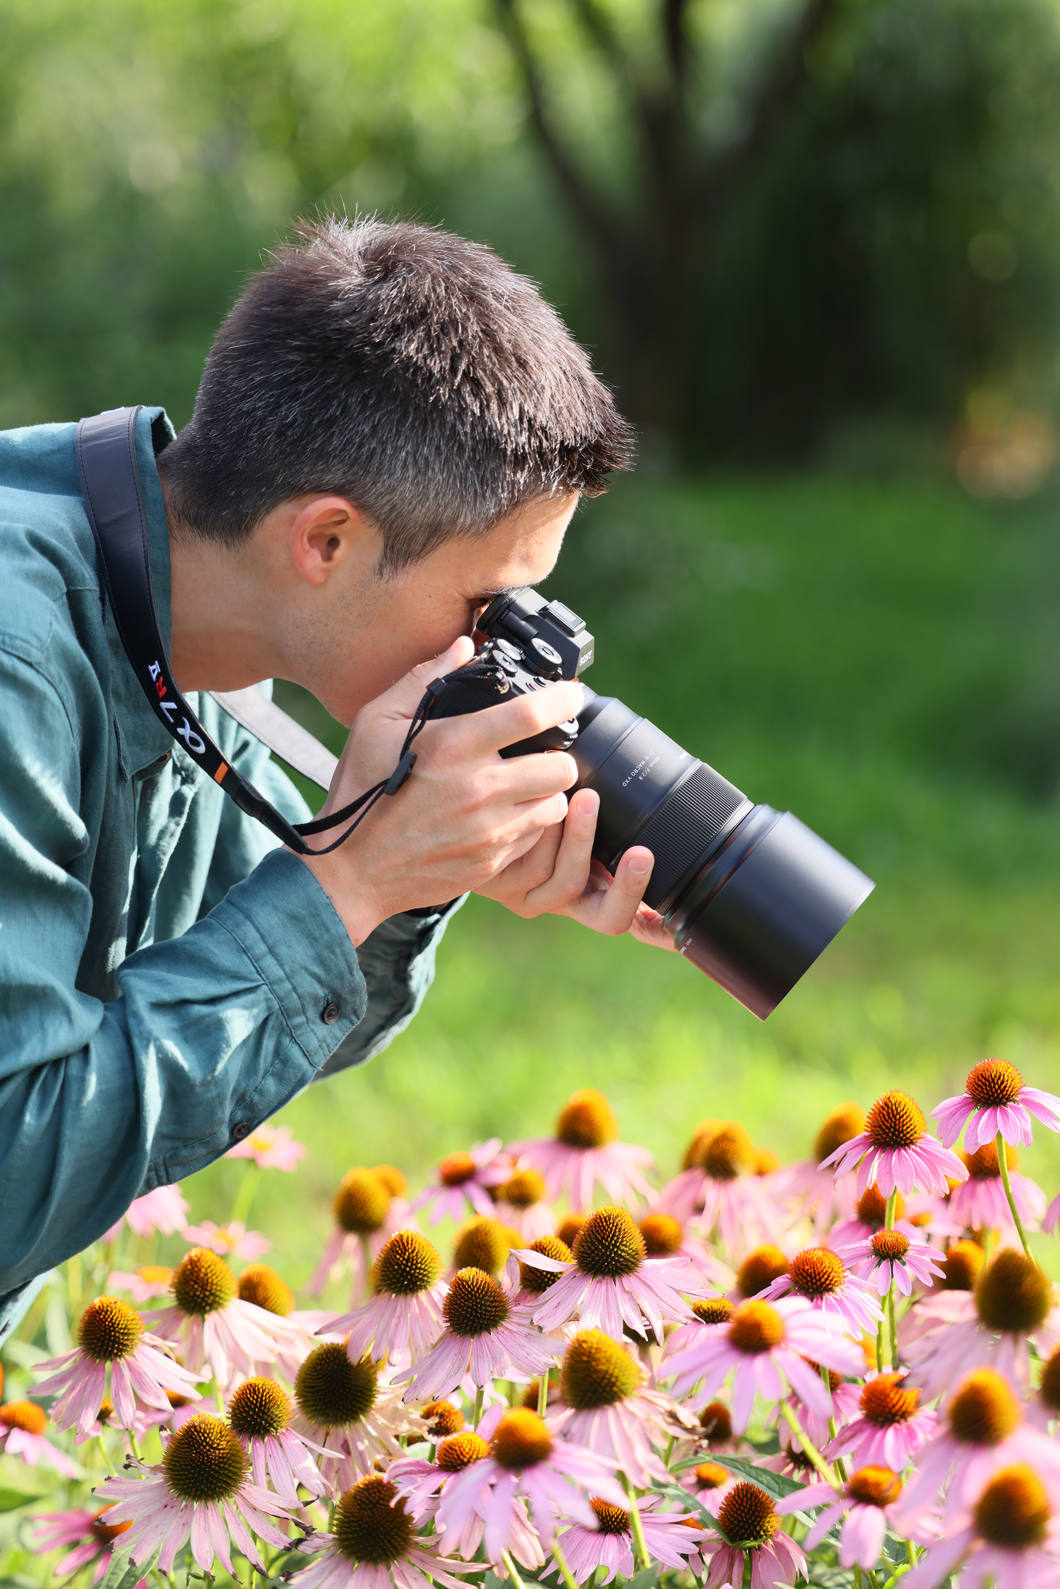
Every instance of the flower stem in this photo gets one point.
(888, 1224)
(513, 1571)
(542, 1394)
(833, 1428)
(1002, 1164)
(480, 1396)
(636, 1525)
(561, 1563)
(817, 1462)
(245, 1193)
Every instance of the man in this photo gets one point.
(391, 428)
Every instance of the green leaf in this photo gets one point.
(123, 1573)
(776, 1484)
(11, 1498)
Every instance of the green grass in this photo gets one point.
(881, 658)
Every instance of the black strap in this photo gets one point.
(114, 502)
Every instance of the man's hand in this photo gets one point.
(558, 876)
(465, 814)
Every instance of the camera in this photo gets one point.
(751, 895)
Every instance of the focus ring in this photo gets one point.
(683, 828)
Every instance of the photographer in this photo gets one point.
(391, 428)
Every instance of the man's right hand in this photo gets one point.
(465, 813)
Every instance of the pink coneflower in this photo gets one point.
(765, 1346)
(895, 1151)
(585, 1153)
(815, 1194)
(1044, 1410)
(721, 1193)
(92, 1540)
(980, 1203)
(891, 1428)
(749, 1531)
(111, 1336)
(199, 1493)
(526, 1462)
(665, 1237)
(465, 1181)
(609, 1543)
(270, 1147)
(422, 1485)
(405, 1316)
(163, 1210)
(22, 1426)
(487, 1335)
(363, 1221)
(522, 1204)
(612, 1282)
(1010, 1536)
(231, 1241)
(1011, 1310)
(349, 1411)
(893, 1258)
(260, 1414)
(144, 1284)
(865, 1504)
(607, 1409)
(214, 1327)
(1051, 1219)
(823, 1279)
(995, 1101)
(373, 1545)
(982, 1429)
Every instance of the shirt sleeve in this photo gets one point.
(212, 1031)
(397, 961)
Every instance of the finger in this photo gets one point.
(506, 724)
(570, 875)
(525, 876)
(616, 907)
(402, 698)
(531, 777)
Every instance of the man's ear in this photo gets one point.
(330, 533)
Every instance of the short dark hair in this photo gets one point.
(407, 369)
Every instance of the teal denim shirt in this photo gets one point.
(164, 978)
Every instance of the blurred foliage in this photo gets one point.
(891, 245)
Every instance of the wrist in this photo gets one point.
(355, 907)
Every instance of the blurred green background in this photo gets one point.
(815, 245)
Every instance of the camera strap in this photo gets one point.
(114, 503)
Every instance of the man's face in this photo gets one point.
(415, 613)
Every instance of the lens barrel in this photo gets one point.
(751, 895)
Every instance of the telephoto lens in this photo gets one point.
(751, 895)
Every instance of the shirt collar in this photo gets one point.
(142, 737)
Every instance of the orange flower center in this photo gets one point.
(993, 1082)
(24, 1415)
(609, 1244)
(711, 1475)
(875, 1486)
(713, 1310)
(1013, 1511)
(747, 1517)
(884, 1402)
(609, 1519)
(105, 1532)
(587, 1120)
(1012, 1294)
(442, 1419)
(539, 1280)
(728, 1153)
(662, 1235)
(755, 1327)
(716, 1423)
(984, 1410)
(962, 1263)
(845, 1121)
(109, 1329)
(817, 1272)
(361, 1202)
(475, 1303)
(895, 1121)
(520, 1439)
(461, 1450)
(456, 1168)
(890, 1245)
(759, 1269)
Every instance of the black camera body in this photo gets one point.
(751, 895)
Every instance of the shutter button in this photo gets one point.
(241, 1129)
(330, 1013)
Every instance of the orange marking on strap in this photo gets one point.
(219, 774)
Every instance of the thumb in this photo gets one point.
(402, 699)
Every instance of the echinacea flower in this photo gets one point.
(526, 1462)
(895, 1152)
(980, 1203)
(373, 1544)
(112, 1343)
(585, 1153)
(892, 1258)
(823, 1279)
(200, 1494)
(1051, 1219)
(891, 1426)
(1044, 1410)
(422, 1485)
(765, 1346)
(465, 1182)
(750, 1532)
(164, 1210)
(981, 1429)
(260, 1413)
(522, 1202)
(995, 1102)
(91, 1537)
(22, 1426)
(721, 1193)
(270, 1147)
(482, 1242)
(487, 1335)
(607, 1408)
(864, 1504)
(404, 1317)
(815, 1194)
(214, 1327)
(144, 1284)
(612, 1282)
(362, 1209)
(609, 1542)
(350, 1411)
(1011, 1311)
(231, 1241)
(1010, 1536)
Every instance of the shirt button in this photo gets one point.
(330, 1013)
(241, 1129)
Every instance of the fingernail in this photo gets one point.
(640, 866)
